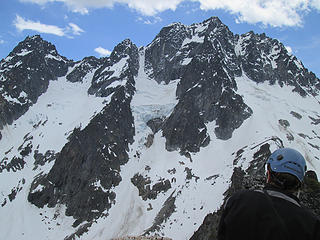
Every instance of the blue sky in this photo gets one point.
(80, 28)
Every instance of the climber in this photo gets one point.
(274, 212)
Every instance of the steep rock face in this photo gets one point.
(89, 165)
(123, 64)
(207, 91)
(266, 59)
(25, 75)
(207, 57)
(82, 68)
(162, 62)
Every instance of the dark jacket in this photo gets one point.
(269, 215)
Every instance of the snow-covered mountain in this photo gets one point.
(150, 140)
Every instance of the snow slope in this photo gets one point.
(46, 125)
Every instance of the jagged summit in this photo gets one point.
(122, 49)
(147, 140)
(266, 59)
(34, 45)
(25, 75)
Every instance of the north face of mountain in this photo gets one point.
(203, 57)
(25, 75)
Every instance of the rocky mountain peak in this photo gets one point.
(32, 47)
(214, 23)
(123, 49)
(266, 59)
(171, 30)
(25, 75)
(122, 66)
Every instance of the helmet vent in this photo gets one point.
(279, 157)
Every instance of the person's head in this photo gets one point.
(286, 168)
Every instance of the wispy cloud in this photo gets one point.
(76, 30)
(1, 41)
(102, 51)
(24, 24)
(149, 21)
(275, 13)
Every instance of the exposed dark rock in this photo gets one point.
(314, 146)
(311, 175)
(14, 165)
(14, 192)
(89, 165)
(190, 175)
(310, 196)
(81, 230)
(315, 121)
(161, 62)
(209, 228)
(155, 124)
(149, 141)
(284, 123)
(266, 59)
(296, 115)
(146, 191)
(165, 212)
(185, 128)
(25, 75)
(84, 67)
(126, 54)
(205, 102)
(206, 90)
(42, 159)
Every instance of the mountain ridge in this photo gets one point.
(147, 139)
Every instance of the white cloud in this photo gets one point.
(146, 7)
(315, 4)
(152, 7)
(76, 30)
(24, 24)
(102, 51)
(149, 21)
(1, 41)
(276, 13)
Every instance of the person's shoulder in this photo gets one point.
(245, 198)
(247, 194)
